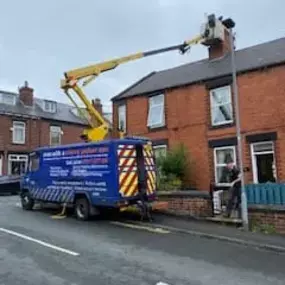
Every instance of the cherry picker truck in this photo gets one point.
(101, 173)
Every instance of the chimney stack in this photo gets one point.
(26, 94)
(219, 44)
(220, 48)
(98, 105)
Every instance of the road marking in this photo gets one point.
(39, 242)
(134, 226)
(161, 283)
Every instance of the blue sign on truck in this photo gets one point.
(111, 173)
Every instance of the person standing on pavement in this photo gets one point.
(234, 200)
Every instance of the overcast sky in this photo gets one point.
(39, 40)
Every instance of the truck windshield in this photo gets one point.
(34, 162)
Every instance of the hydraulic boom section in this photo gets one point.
(212, 30)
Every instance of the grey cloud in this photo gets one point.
(39, 40)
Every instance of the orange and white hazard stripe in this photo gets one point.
(128, 177)
(128, 174)
(150, 169)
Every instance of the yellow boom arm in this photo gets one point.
(72, 78)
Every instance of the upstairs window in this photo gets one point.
(55, 135)
(122, 118)
(221, 106)
(49, 106)
(8, 99)
(19, 132)
(156, 115)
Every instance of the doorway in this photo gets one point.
(1, 164)
(141, 169)
(263, 162)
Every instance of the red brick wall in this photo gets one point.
(188, 203)
(262, 105)
(267, 219)
(37, 134)
(191, 204)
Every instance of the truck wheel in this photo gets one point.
(82, 209)
(27, 201)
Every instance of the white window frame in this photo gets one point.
(6, 95)
(215, 105)
(57, 130)
(151, 107)
(18, 125)
(122, 116)
(253, 159)
(17, 157)
(49, 106)
(161, 146)
(223, 164)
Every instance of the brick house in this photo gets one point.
(193, 104)
(28, 122)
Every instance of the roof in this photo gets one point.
(247, 59)
(64, 112)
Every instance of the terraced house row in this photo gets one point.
(28, 122)
(193, 104)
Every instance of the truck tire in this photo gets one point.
(82, 209)
(27, 201)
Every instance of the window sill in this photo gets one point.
(156, 129)
(18, 143)
(223, 126)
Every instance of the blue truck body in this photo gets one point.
(109, 173)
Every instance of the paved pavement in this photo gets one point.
(230, 233)
(36, 249)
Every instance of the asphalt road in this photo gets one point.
(36, 249)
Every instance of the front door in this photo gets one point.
(263, 162)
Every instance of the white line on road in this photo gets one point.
(39, 242)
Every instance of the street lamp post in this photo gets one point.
(230, 24)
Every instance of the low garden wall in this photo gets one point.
(198, 204)
(194, 204)
(266, 218)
